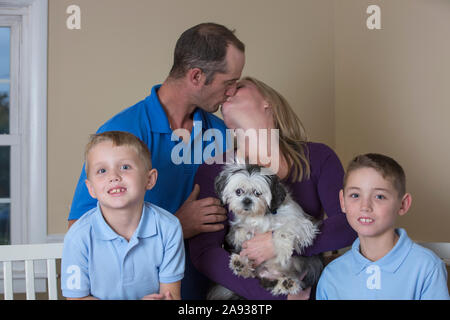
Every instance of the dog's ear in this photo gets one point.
(219, 184)
(278, 193)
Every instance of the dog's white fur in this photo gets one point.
(260, 203)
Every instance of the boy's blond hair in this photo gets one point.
(386, 166)
(120, 138)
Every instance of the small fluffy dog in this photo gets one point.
(261, 203)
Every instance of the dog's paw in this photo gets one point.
(241, 267)
(286, 286)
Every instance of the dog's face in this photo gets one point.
(248, 190)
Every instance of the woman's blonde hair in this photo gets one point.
(292, 133)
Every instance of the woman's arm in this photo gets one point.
(335, 232)
(212, 260)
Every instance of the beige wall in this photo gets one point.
(356, 90)
(125, 47)
(393, 96)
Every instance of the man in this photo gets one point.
(208, 61)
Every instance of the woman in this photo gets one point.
(311, 171)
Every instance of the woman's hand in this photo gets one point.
(259, 248)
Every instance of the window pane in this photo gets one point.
(4, 79)
(5, 237)
(4, 195)
(4, 108)
(5, 172)
(4, 52)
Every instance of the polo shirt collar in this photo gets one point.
(158, 116)
(146, 227)
(390, 262)
(156, 113)
(102, 230)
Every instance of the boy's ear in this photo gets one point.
(90, 188)
(341, 200)
(406, 204)
(152, 177)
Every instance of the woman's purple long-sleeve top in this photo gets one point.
(316, 195)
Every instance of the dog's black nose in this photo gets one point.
(246, 202)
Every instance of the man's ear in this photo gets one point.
(152, 177)
(196, 77)
(90, 188)
(341, 200)
(406, 204)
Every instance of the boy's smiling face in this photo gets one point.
(117, 177)
(371, 203)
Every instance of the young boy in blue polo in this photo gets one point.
(383, 263)
(124, 248)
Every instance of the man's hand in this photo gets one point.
(197, 216)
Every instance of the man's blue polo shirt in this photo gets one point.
(407, 272)
(97, 261)
(147, 120)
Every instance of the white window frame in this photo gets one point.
(13, 139)
(29, 158)
(28, 128)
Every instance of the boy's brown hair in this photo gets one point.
(120, 138)
(386, 166)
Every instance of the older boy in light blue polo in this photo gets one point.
(383, 263)
(124, 248)
(394, 277)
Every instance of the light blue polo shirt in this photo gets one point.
(97, 261)
(147, 120)
(407, 272)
